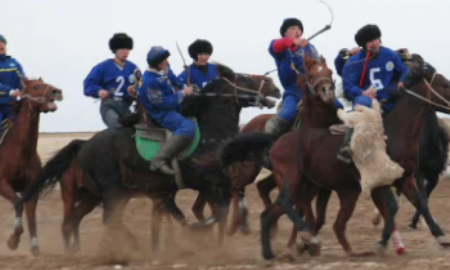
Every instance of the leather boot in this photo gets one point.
(170, 149)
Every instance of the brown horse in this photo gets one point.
(19, 161)
(87, 178)
(312, 150)
(317, 111)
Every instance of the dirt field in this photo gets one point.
(239, 251)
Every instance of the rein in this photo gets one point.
(259, 95)
(432, 91)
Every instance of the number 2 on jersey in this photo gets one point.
(121, 81)
(375, 82)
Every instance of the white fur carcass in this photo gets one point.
(368, 145)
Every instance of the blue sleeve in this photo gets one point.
(400, 67)
(93, 81)
(174, 80)
(4, 89)
(22, 73)
(159, 100)
(339, 62)
(183, 78)
(272, 52)
(350, 79)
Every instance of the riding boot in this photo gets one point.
(172, 147)
(345, 152)
(276, 126)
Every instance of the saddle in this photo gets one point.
(149, 138)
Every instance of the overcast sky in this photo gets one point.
(61, 40)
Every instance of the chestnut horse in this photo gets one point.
(19, 160)
(307, 157)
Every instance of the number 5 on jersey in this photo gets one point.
(377, 84)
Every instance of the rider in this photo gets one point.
(161, 101)
(200, 72)
(11, 75)
(371, 72)
(111, 79)
(288, 53)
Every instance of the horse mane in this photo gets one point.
(224, 71)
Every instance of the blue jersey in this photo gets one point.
(382, 72)
(198, 76)
(290, 64)
(157, 93)
(112, 77)
(10, 78)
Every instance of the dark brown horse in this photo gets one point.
(88, 178)
(19, 161)
(302, 159)
(317, 111)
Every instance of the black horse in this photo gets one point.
(108, 169)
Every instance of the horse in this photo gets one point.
(432, 161)
(19, 160)
(108, 169)
(300, 170)
(433, 156)
(316, 107)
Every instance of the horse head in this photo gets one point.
(42, 96)
(425, 83)
(318, 80)
(249, 89)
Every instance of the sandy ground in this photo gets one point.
(239, 251)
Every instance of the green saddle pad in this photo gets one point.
(149, 148)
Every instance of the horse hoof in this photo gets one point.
(376, 220)
(361, 254)
(35, 251)
(305, 236)
(246, 230)
(231, 231)
(443, 241)
(302, 247)
(400, 251)
(314, 250)
(13, 242)
(381, 250)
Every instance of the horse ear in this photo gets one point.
(323, 60)
(40, 79)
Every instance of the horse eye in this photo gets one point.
(36, 87)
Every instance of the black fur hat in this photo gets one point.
(200, 46)
(288, 23)
(367, 34)
(120, 41)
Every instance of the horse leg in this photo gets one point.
(409, 189)
(86, 204)
(156, 223)
(235, 217)
(68, 195)
(323, 197)
(265, 186)
(30, 210)
(384, 199)
(425, 190)
(271, 215)
(199, 207)
(347, 200)
(112, 218)
(243, 210)
(8, 192)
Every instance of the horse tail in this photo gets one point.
(246, 146)
(53, 170)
